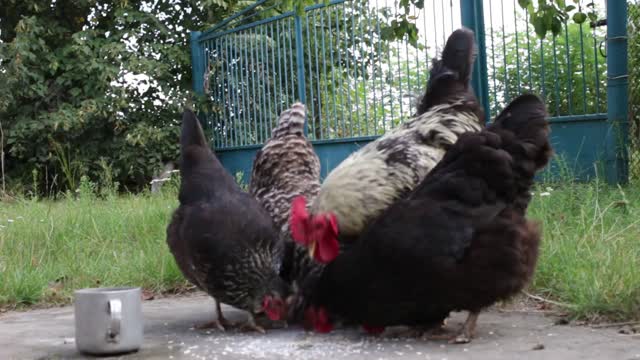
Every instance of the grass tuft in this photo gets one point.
(590, 256)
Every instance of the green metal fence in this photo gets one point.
(634, 89)
(357, 85)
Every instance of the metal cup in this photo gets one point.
(108, 320)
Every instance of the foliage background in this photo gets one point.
(95, 87)
(65, 105)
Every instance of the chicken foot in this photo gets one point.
(251, 325)
(220, 322)
(432, 332)
(468, 329)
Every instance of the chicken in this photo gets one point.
(284, 168)
(459, 241)
(371, 179)
(223, 241)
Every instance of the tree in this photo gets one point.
(65, 107)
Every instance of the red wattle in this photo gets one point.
(299, 221)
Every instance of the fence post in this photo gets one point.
(197, 64)
(300, 66)
(472, 15)
(617, 167)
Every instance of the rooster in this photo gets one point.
(284, 168)
(459, 241)
(223, 241)
(371, 179)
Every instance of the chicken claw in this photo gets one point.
(468, 329)
(220, 322)
(251, 325)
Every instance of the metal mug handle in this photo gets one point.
(114, 308)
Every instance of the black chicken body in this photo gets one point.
(222, 239)
(459, 241)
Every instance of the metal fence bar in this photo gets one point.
(473, 17)
(617, 91)
(569, 78)
(300, 66)
(197, 63)
(257, 114)
(241, 63)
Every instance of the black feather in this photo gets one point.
(222, 239)
(459, 241)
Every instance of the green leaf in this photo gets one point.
(556, 27)
(539, 26)
(579, 17)
(569, 8)
(524, 3)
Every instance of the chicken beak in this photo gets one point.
(312, 249)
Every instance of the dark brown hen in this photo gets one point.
(222, 239)
(459, 241)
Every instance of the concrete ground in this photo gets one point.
(169, 334)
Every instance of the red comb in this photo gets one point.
(299, 220)
(373, 330)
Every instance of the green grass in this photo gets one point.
(590, 257)
(48, 248)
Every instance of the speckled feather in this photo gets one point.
(284, 168)
(223, 241)
(369, 180)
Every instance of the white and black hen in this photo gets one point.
(359, 189)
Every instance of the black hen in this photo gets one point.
(459, 241)
(222, 239)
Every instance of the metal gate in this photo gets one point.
(356, 85)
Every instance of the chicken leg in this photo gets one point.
(251, 325)
(468, 329)
(220, 322)
(429, 332)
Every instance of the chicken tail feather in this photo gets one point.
(291, 121)
(191, 133)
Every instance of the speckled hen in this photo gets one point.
(371, 179)
(223, 241)
(284, 168)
